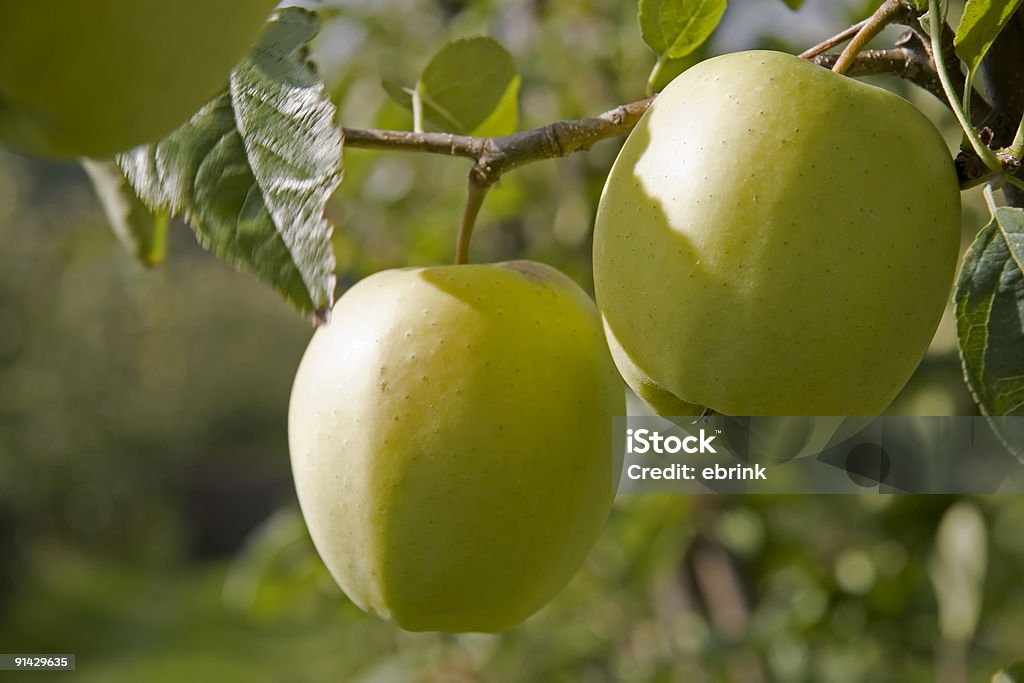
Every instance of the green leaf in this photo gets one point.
(1010, 674)
(253, 170)
(794, 4)
(470, 87)
(675, 28)
(142, 232)
(957, 569)
(981, 22)
(989, 305)
(398, 93)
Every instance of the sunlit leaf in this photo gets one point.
(252, 171)
(980, 24)
(675, 28)
(471, 87)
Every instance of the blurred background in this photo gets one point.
(147, 517)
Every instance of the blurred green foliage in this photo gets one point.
(147, 520)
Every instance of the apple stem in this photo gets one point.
(890, 12)
(477, 190)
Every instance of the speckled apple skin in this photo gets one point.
(776, 239)
(451, 442)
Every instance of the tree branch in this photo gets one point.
(890, 12)
(835, 40)
(910, 59)
(907, 62)
(495, 156)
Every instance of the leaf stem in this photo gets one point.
(156, 250)
(417, 110)
(652, 79)
(1016, 182)
(984, 153)
(1016, 148)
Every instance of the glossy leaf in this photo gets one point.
(980, 24)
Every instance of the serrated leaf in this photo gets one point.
(142, 232)
(675, 28)
(252, 171)
(989, 306)
(980, 24)
(471, 87)
(957, 569)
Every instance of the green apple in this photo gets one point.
(775, 239)
(96, 77)
(451, 441)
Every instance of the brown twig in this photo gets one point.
(830, 43)
(911, 59)
(890, 12)
(495, 156)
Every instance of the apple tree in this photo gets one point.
(774, 238)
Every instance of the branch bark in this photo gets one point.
(910, 60)
(495, 156)
(890, 12)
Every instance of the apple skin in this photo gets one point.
(776, 239)
(451, 442)
(96, 77)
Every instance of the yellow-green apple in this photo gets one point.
(451, 441)
(96, 77)
(775, 239)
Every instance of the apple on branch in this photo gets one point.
(775, 239)
(451, 441)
